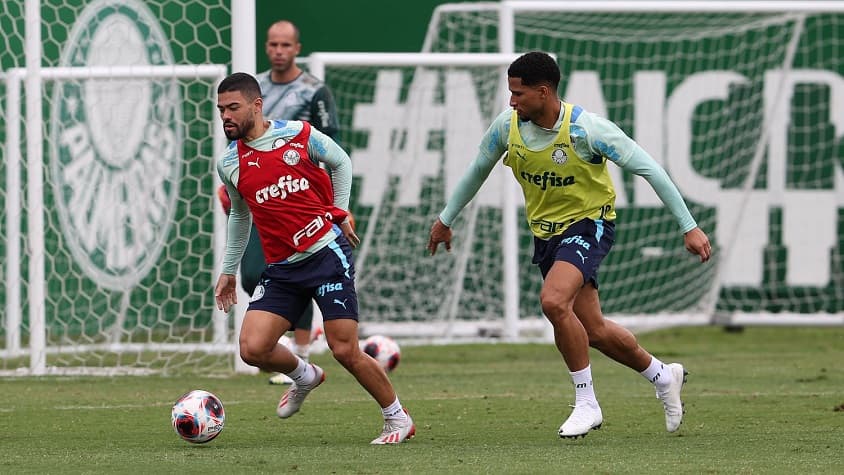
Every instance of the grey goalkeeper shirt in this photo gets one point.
(304, 98)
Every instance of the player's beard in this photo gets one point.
(240, 130)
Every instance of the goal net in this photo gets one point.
(108, 240)
(742, 108)
(411, 123)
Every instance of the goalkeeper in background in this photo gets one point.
(558, 153)
(289, 94)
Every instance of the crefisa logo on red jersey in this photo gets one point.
(286, 184)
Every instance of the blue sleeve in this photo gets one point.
(493, 145)
(642, 164)
(607, 139)
(325, 150)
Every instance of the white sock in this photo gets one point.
(304, 373)
(394, 411)
(657, 373)
(302, 351)
(584, 392)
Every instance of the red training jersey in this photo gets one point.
(290, 197)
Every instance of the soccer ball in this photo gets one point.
(198, 416)
(384, 349)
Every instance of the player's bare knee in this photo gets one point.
(556, 309)
(254, 353)
(250, 357)
(344, 353)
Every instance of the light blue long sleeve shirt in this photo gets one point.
(321, 149)
(591, 135)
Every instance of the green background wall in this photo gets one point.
(348, 26)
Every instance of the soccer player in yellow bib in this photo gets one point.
(558, 153)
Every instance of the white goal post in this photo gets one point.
(112, 231)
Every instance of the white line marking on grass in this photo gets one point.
(126, 406)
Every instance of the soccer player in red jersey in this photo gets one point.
(272, 174)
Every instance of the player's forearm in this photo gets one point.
(643, 165)
(341, 181)
(467, 188)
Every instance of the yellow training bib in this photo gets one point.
(560, 188)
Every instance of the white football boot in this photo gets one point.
(396, 431)
(583, 418)
(292, 399)
(670, 397)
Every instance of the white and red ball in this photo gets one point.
(198, 416)
(384, 349)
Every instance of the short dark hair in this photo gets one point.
(244, 83)
(535, 68)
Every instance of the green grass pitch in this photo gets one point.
(766, 400)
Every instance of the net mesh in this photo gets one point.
(128, 188)
(738, 107)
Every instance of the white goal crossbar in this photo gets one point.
(318, 61)
(646, 6)
(676, 7)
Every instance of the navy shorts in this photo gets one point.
(584, 245)
(328, 277)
